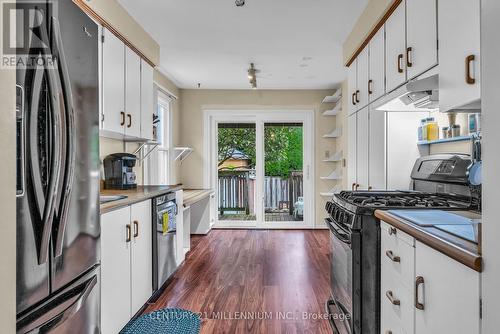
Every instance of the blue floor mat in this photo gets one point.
(166, 321)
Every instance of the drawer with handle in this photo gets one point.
(397, 259)
(396, 306)
(396, 234)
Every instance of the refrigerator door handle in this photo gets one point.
(45, 201)
(70, 136)
(58, 310)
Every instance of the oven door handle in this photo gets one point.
(330, 302)
(337, 232)
(343, 310)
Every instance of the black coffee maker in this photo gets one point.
(118, 171)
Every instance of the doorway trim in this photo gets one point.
(211, 117)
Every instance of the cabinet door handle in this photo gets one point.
(391, 256)
(418, 281)
(357, 96)
(136, 228)
(392, 230)
(357, 186)
(353, 186)
(391, 298)
(352, 99)
(370, 188)
(468, 77)
(409, 50)
(129, 233)
(122, 123)
(129, 116)
(400, 58)
(370, 87)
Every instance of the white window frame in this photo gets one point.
(152, 164)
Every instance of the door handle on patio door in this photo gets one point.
(58, 232)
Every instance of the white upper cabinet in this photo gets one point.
(127, 91)
(113, 84)
(361, 95)
(376, 150)
(446, 296)
(395, 48)
(421, 36)
(352, 87)
(147, 100)
(132, 93)
(351, 151)
(376, 81)
(459, 67)
(362, 149)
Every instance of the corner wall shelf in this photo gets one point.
(331, 192)
(335, 175)
(333, 112)
(333, 98)
(445, 140)
(337, 156)
(334, 134)
(181, 153)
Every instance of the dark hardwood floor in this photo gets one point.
(279, 277)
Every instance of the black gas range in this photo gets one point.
(438, 182)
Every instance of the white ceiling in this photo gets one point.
(296, 44)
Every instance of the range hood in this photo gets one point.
(420, 94)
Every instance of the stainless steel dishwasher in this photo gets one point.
(165, 239)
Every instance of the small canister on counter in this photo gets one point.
(455, 130)
(445, 132)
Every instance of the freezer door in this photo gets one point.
(75, 309)
(76, 227)
(36, 132)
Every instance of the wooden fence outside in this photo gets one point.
(237, 192)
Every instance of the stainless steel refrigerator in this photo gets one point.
(58, 227)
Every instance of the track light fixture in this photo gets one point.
(252, 76)
(239, 3)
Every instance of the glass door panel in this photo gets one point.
(283, 172)
(236, 175)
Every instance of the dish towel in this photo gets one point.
(165, 321)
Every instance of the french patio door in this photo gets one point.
(260, 165)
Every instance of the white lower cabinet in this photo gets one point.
(126, 264)
(115, 270)
(142, 255)
(424, 291)
(449, 294)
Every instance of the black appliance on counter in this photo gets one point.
(438, 182)
(118, 171)
(57, 198)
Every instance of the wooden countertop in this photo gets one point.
(191, 196)
(463, 251)
(141, 193)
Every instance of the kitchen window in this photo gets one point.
(157, 168)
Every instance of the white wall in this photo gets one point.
(490, 72)
(193, 102)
